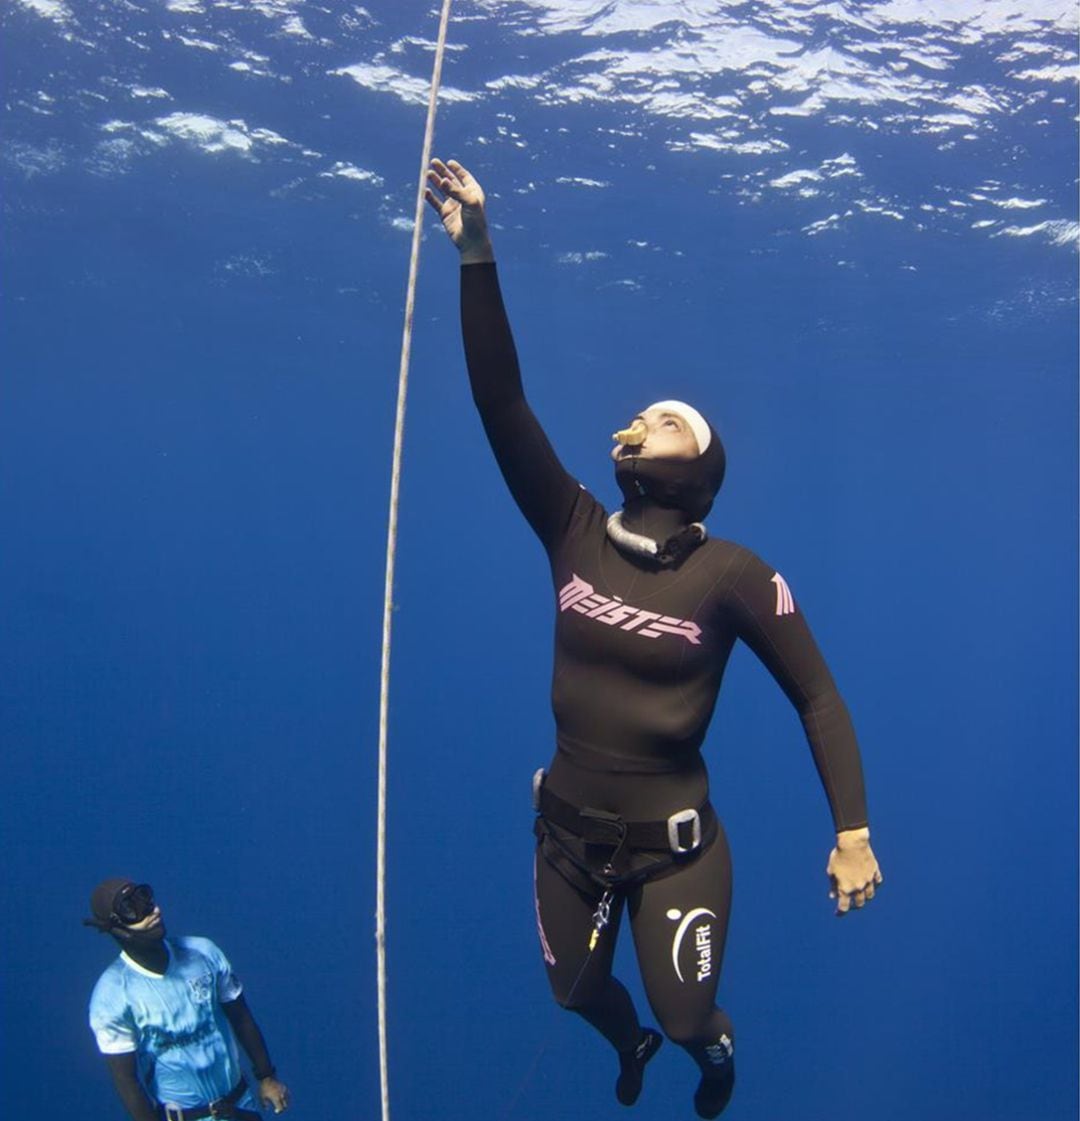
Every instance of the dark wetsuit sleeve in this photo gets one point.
(769, 621)
(539, 483)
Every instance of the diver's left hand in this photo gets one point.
(852, 870)
(274, 1094)
(460, 205)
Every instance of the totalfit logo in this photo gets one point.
(701, 944)
(580, 596)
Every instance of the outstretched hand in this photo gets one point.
(852, 870)
(458, 200)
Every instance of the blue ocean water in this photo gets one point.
(847, 232)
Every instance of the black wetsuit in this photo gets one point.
(640, 652)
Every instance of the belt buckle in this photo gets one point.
(173, 1112)
(537, 786)
(682, 817)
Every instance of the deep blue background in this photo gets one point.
(194, 459)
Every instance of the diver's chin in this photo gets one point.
(152, 934)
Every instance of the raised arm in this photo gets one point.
(540, 485)
(771, 624)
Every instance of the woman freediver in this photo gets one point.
(648, 610)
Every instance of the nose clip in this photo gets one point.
(633, 436)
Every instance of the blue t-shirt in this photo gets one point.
(186, 1053)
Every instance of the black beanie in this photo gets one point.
(102, 899)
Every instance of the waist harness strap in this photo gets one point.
(222, 1108)
(683, 832)
(673, 842)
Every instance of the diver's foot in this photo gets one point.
(714, 1093)
(632, 1066)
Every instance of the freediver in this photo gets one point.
(157, 1015)
(648, 610)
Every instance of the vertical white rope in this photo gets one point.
(391, 553)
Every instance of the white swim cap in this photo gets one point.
(698, 424)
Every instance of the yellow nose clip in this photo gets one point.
(632, 436)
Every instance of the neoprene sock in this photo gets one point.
(714, 1093)
(632, 1066)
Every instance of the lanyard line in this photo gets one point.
(391, 552)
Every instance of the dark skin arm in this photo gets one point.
(272, 1093)
(126, 1081)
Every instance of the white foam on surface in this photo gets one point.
(581, 258)
(737, 87)
(343, 170)
(380, 78)
(55, 10)
(581, 181)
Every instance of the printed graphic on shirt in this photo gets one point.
(785, 601)
(157, 1040)
(699, 946)
(202, 988)
(580, 596)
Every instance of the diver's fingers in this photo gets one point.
(446, 173)
(460, 185)
(439, 181)
(858, 898)
(878, 877)
(843, 903)
(443, 178)
(461, 173)
(868, 891)
(455, 191)
(442, 207)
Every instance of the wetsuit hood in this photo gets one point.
(688, 485)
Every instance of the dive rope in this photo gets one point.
(391, 551)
